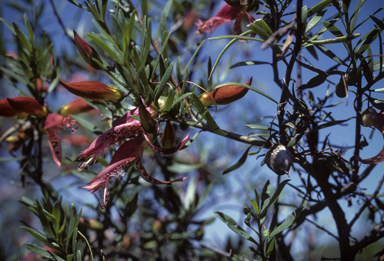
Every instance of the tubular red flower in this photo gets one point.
(53, 123)
(7, 110)
(87, 51)
(92, 90)
(226, 14)
(76, 106)
(28, 105)
(224, 95)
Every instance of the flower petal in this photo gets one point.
(145, 175)
(92, 90)
(28, 105)
(7, 110)
(54, 144)
(87, 51)
(58, 121)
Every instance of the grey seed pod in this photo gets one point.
(279, 159)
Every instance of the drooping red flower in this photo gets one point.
(226, 14)
(6, 110)
(53, 123)
(27, 105)
(76, 106)
(224, 95)
(372, 118)
(92, 90)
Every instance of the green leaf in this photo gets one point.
(29, 28)
(108, 46)
(20, 35)
(144, 7)
(261, 28)
(275, 196)
(255, 206)
(183, 168)
(164, 80)
(233, 225)
(36, 234)
(271, 247)
(319, 7)
(330, 54)
(207, 116)
(193, 57)
(239, 163)
(56, 214)
(43, 252)
(287, 223)
(334, 40)
(86, 124)
(127, 35)
(314, 21)
(169, 102)
(257, 127)
(163, 18)
(355, 15)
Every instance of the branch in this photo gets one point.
(371, 237)
(61, 22)
(367, 203)
(220, 252)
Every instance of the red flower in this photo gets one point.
(224, 95)
(7, 110)
(53, 123)
(124, 128)
(371, 118)
(74, 107)
(27, 105)
(226, 14)
(92, 90)
(129, 153)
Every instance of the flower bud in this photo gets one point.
(87, 51)
(74, 107)
(95, 91)
(168, 138)
(6, 110)
(279, 159)
(367, 117)
(146, 119)
(28, 105)
(224, 95)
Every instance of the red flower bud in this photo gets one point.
(87, 51)
(28, 105)
(224, 95)
(74, 107)
(168, 138)
(92, 90)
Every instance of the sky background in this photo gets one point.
(230, 118)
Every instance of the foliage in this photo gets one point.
(147, 79)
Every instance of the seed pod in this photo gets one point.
(279, 159)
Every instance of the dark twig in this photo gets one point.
(61, 22)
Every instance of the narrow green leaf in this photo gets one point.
(20, 35)
(330, 54)
(163, 18)
(108, 46)
(43, 252)
(239, 163)
(335, 40)
(86, 124)
(144, 7)
(275, 196)
(233, 225)
(169, 101)
(127, 35)
(314, 21)
(193, 57)
(207, 116)
(271, 247)
(261, 28)
(287, 223)
(255, 206)
(36, 234)
(29, 28)
(257, 127)
(163, 83)
(56, 214)
(356, 15)
(319, 7)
